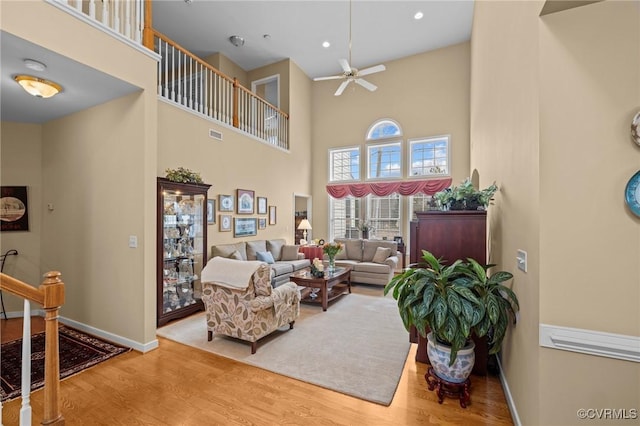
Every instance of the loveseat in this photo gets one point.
(371, 261)
(285, 258)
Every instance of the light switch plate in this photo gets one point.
(521, 258)
(133, 241)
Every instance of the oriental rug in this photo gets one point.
(357, 347)
(78, 351)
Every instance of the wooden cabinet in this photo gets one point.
(182, 248)
(451, 235)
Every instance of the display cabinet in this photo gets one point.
(182, 248)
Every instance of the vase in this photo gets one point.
(365, 235)
(332, 264)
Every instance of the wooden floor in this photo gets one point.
(180, 385)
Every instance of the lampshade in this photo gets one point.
(37, 86)
(304, 224)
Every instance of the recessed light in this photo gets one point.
(418, 15)
(266, 36)
(326, 44)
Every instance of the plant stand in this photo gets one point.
(444, 388)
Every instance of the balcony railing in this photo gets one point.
(189, 81)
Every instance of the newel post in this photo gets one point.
(236, 120)
(147, 33)
(53, 289)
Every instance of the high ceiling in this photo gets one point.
(380, 30)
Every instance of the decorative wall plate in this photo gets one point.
(632, 194)
(635, 129)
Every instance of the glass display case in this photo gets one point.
(182, 243)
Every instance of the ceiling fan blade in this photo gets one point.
(366, 84)
(341, 88)
(372, 70)
(331, 77)
(345, 65)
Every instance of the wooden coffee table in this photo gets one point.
(331, 286)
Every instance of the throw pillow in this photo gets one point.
(265, 256)
(235, 255)
(381, 254)
(290, 252)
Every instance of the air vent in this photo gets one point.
(215, 134)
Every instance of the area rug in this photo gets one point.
(78, 351)
(357, 347)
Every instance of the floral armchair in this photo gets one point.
(253, 312)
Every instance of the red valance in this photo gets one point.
(407, 187)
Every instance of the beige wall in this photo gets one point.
(427, 94)
(281, 68)
(98, 169)
(589, 241)
(229, 68)
(551, 102)
(20, 164)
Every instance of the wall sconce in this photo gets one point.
(38, 87)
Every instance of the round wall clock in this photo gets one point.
(632, 194)
(635, 129)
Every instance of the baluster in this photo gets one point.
(25, 409)
(173, 73)
(116, 16)
(92, 9)
(79, 5)
(127, 19)
(105, 14)
(138, 22)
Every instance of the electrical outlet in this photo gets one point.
(521, 258)
(133, 241)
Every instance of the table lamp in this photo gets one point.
(304, 225)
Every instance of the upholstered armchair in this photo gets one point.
(240, 302)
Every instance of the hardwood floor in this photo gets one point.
(180, 385)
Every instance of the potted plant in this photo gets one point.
(465, 196)
(499, 301)
(183, 175)
(365, 228)
(440, 299)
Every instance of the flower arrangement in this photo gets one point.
(365, 226)
(331, 249)
(317, 268)
(183, 175)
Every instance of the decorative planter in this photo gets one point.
(439, 358)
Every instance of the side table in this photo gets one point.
(311, 252)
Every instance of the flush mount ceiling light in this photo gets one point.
(326, 44)
(34, 65)
(237, 41)
(418, 15)
(38, 87)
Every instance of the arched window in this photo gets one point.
(384, 150)
(383, 129)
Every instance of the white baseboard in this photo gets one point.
(591, 342)
(507, 393)
(140, 347)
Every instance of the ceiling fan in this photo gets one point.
(349, 73)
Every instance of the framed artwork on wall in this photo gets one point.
(272, 215)
(245, 200)
(225, 223)
(245, 226)
(225, 203)
(262, 205)
(211, 212)
(14, 210)
(262, 223)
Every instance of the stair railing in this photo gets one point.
(50, 295)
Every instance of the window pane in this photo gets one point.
(344, 216)
(430, 157)
(385, 161)
(384, 129)
(344, 164)
(383, 214)
(419, 203)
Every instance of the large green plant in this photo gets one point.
(439, 297)
(465, 196)
(500, 302)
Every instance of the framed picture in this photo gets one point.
(272, 215)
(13, 208)
(245, 226)
(225, 203)
(262, 205)
(262, 223)
(211, 212)
(245, 201)
(225, 223)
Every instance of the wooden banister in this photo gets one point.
(50, 295)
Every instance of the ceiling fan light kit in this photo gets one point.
(349, 73)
